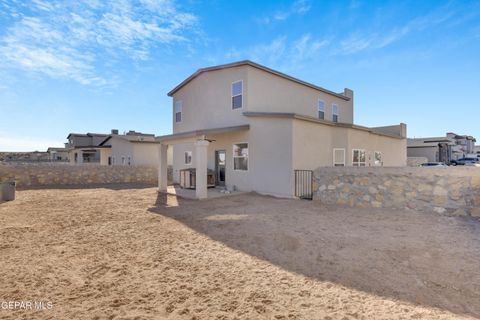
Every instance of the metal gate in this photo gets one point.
(304, 184)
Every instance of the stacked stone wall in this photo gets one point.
(445, 190)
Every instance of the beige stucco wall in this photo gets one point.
(239, 179)
(271, 93)
(271, 156)
(145, 154)
(207, 101)
(141, 154)
(121, 148)
(431, 153)
(313, 145)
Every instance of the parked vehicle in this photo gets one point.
(464, 161)
(433, 164)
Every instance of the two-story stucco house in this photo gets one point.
(132, 148)
(253, 126)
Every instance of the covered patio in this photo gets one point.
(200, 140)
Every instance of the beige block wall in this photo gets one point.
(271, 93)
(92, 174)
(207, 101)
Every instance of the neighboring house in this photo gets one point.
(254, 126)
(133, 148)
(58, 154)
(464, 145)
(84, 148)
(441, 149)
(476, 149)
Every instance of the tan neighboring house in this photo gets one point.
(58, 154)
(84, 148)
(442, 149)
(253, 126)
(132, 148)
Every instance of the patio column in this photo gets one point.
(201, 147)
(162, 168)
(80, 156)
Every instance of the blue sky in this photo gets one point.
(93, 65)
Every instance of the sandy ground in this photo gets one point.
(114, 253)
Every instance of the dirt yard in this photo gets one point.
(117, 253)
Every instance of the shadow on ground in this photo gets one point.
(111, 186)
(422, 258)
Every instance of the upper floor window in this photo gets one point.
(334, 112)
(237, 94)
(321, 109)
(178, 111)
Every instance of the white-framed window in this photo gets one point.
(123, 161)
(358, 157)
(113, 160)
(188, 157)
(237, 94)
(321, 109)
(240, 156)
(178, 111)
(334, 112)
(338, 157)
(128, 162)
(377, 158)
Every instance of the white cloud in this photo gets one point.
(281, 52)
(298, 7)
(64, 39)
(358, 42)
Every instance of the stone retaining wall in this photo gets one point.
(48, 175)
(445, 190)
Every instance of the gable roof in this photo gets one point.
(150, 138)
(258, 66)
(87, 135)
